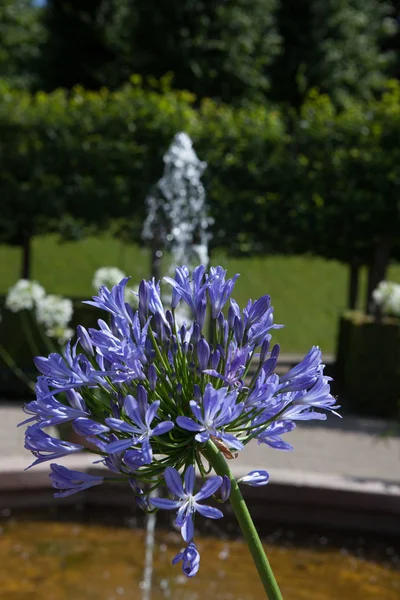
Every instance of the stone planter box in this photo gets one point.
(368, 365)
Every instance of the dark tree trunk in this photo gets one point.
(377, 272)
(26, 257)
(354, 278)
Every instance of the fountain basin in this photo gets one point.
(327, 537)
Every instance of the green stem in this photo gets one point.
(10, 362)
(249, 531)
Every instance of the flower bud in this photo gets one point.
(255, 478)
(265, 348)
(196, 334)
(201, 310)
(275, 351)
(238, 329)
(182, 333)
(231, 317)
(84, 339)
(214, 359)
(197, 392)
(225, 488)
(144, 296)
(170, 318)
(152, 376)
(203, 354)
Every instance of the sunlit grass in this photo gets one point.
(308, 293)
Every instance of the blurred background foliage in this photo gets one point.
(294, 106)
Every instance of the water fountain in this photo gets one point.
(177, 220)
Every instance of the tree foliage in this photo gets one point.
(21, 34)
(75, 52)
(334, 46)
(217, 49)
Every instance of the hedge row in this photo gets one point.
(324, 181)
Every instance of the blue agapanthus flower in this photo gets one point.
(150, 397)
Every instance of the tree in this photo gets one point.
(217, 49)
(331, 45)
(75, 51)
(21, 33)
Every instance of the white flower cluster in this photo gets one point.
(110, 276)
(25, 294)
(107, 276)
(53, 312)
(387, 297)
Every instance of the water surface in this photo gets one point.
(51, 560)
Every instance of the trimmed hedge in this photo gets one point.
(327, 184)
(368, 365)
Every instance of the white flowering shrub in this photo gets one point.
(108, 277)
(387, 297)
(24, 295)
(111, 276)
(55, 313)
(52, 312)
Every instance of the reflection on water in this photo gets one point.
(74, 561)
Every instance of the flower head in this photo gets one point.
(187, 503)
(70, 482)
(54, 312)
(155, 396)
(24, 295)
(190, 558)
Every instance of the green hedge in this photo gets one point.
(327, 183)
(368, 365)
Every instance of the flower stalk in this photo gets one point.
(220, 466)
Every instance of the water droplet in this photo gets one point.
(120, 591)
(6, 512)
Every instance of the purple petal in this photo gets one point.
(225, 488)
(151, 412)
(131, 407)
(187, 529)
(188, 423)
(119, 425)
(163, 428)
(165, 503)
(231, 441)
(118, 446)
(189, 477)
(177, 558)
(209, 511)
(146, 450)
(196, 410)
(202, 437)
(255, 478)
(210, 487)
(277, 444)
(174, 482)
